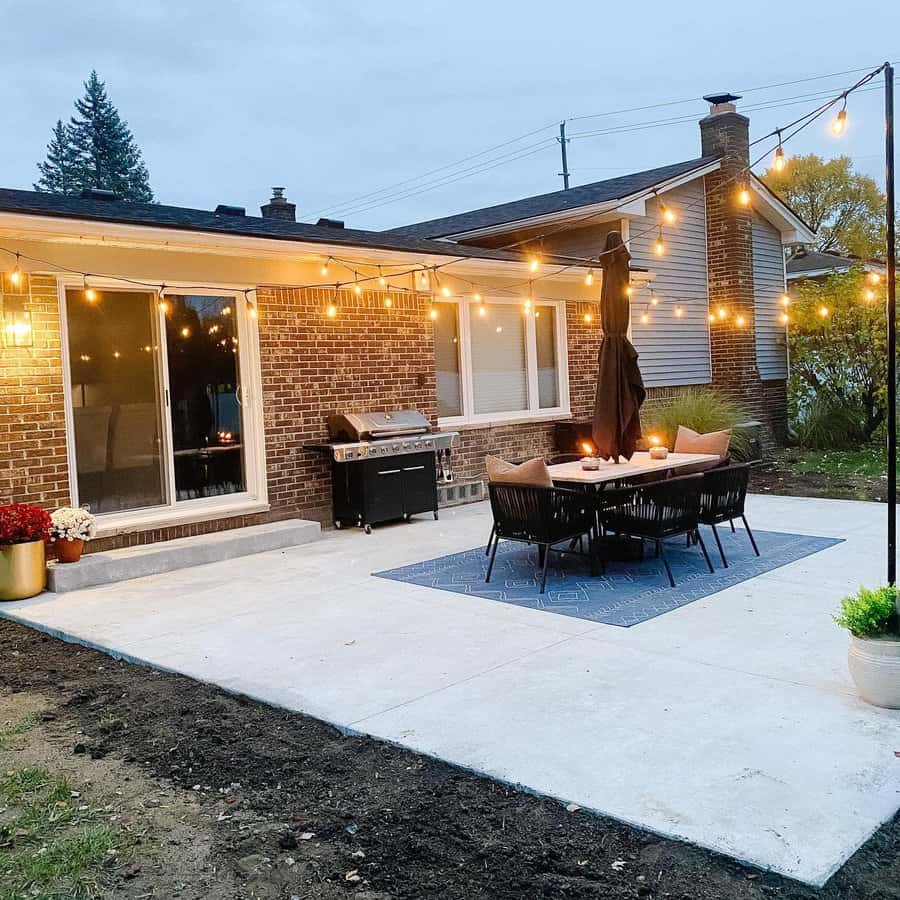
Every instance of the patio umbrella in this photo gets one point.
(620, 388)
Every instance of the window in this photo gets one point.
(496, 362)
(159, 400)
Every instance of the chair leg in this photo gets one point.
(491, 563)
(719, 544)
(699, 539)
(661, 553)
(731, 522)
(657, 550)
(592, 553)
(542, 554)
(546, 550)
(750, 534)
(487, 550)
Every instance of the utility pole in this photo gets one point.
(891, 321)
(563, 140)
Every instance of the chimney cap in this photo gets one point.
(725, 97)
(278, 193)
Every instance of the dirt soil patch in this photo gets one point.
(228, 798)
(779, 474)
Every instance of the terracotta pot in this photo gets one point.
(69, 551)
(875, 669)
(23, 570)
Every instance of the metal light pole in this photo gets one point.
(891, 322)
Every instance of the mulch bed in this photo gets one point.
(777, 475)
(307, 812)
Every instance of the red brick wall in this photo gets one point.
(33, 463)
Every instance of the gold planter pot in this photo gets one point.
(23, 570)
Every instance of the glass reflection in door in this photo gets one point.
(204, 396)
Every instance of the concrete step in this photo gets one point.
(183, 553)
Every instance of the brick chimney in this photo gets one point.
(729, 250)
(279, 208)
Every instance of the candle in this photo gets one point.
(659, 452)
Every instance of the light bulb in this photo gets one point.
(185, 332)
(251, 310)
(645, 318)
(785, 318)
(498, 329)
(740, 321)
(433, 313)
(785, 300)
(669, 216)
(534, 264)
(388, 302)
(870, 295)
(722, 313)
(446, 291)
(839, 125)
(527, 303)
(117, 355)
(331, 312)
(589, 278)
(824, 312)
(357, 289)
(659, 246)
(164, 306)
(629, 290)
(90, 295)
(874, 277)
(15, 277)
(711, 317)
(679, 312)
(476, 297)
(325, 268)
(482, 310)
(654, 300)
(779, 162)
(588, 318)
(744, 195)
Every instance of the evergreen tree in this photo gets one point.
(96, 149)
(60, 174)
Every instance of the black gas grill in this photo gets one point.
(385, 466)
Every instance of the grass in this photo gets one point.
(869, 461)
(12, 729)
(51, 847)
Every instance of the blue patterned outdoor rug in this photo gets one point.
(629, 593)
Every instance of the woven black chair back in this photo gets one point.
(540, 515)
(723, 493)
(653, 510)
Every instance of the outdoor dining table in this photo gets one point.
(639, 464)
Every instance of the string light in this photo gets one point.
(654, 300)
(740, 321)
(785, 318)
(743, 195)
(357, 287)
(331, 311)
(645, 318)
(588, 318)
(659, 245)
(446, 291)
(824, 312)
(388, 302)
(679, 312)
(89, 293)
(711, 318)
(589, 278)
(869, 295)
(629, 290)
(722, 313)
(226, 310)
(251, 310)
(785, 300)
(874, 277)
(779, 162)
(15, 277)
(185, 332)
(163, 306)
(433, 312)
(534, 264)
(669, 216)
(839, 125)
(381, 279)
(325, 267)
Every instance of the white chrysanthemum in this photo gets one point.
(70, 524)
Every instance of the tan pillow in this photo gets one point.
(533, 472)
(688, 441)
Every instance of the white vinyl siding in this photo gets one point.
(768, 286)
(673, 350)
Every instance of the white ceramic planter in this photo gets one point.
(875, 669)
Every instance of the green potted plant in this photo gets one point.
(873, 621)
(69, 529)
(23, 530)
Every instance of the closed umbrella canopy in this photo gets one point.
(620, 388)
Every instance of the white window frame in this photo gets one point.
(464, 312)
(174, 512)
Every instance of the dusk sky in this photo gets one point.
(339, 100)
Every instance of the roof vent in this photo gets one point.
(330, 223)
(223, 210)
(98, 194)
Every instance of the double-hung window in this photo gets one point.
(164, 420)
(498, 361)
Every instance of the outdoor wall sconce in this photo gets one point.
(16, 323)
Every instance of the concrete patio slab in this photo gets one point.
(730, 722)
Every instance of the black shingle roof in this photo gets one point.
(558, 201)
(153, 214)
(813, 261)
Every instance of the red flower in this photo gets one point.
(22, 522)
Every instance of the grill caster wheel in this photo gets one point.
(368, 529)
(338, 524)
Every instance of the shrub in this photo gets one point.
(70, 524)
(869, 613)
(702, 410)
(826, 423)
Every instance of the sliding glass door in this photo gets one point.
(158, 410)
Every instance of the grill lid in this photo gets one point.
(360, 426)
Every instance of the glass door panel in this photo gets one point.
(114, 377)
(204, 396)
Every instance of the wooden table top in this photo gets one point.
(639, 464)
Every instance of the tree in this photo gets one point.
(838, 354)
(845, 208)
(95, 150)
(60, 174)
